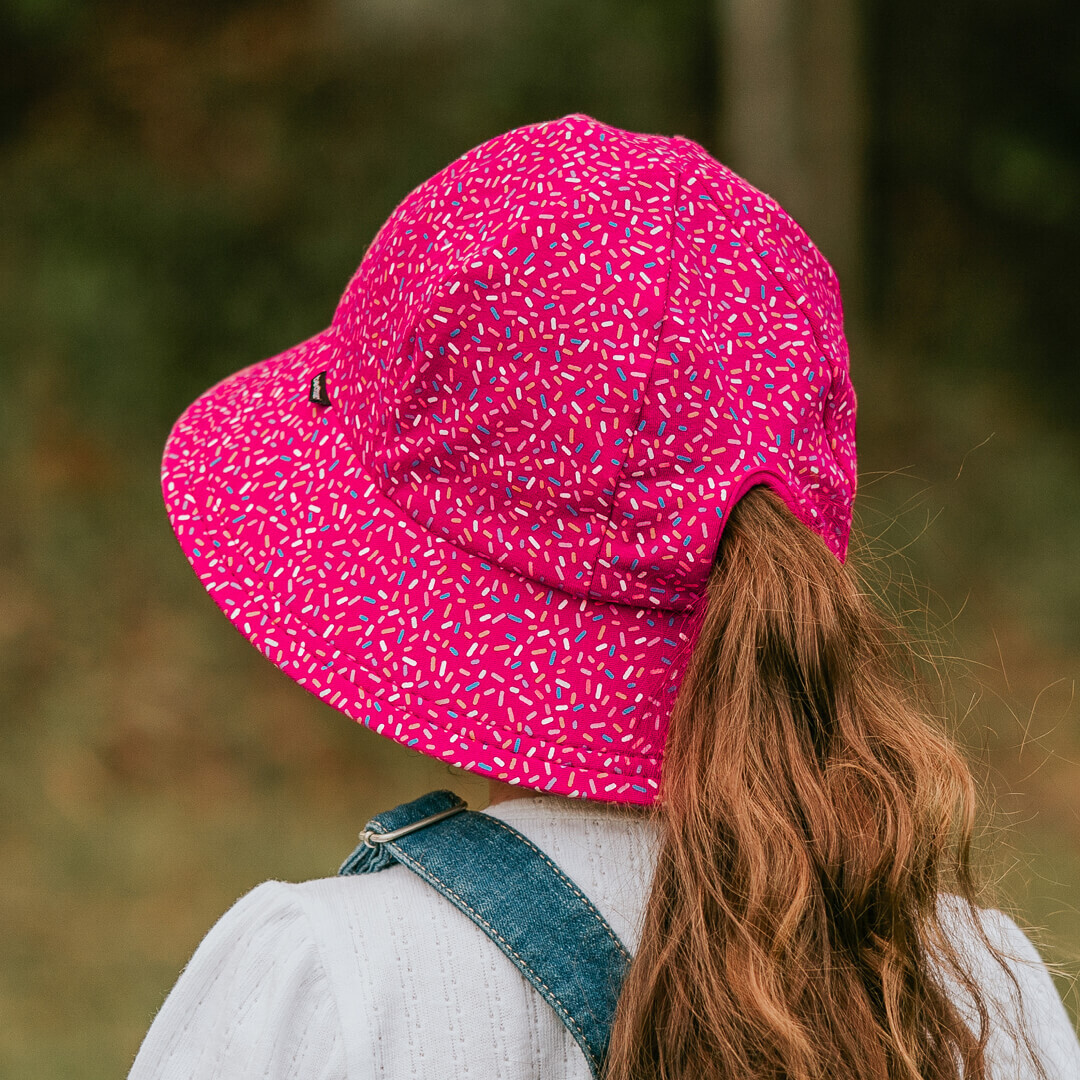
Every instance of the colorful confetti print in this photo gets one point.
(483, 532)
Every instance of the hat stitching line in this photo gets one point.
(811, 320)
(463, 734)
(519, 225)
(406, 705)
(608, 528)
(740, 231)
(482, 749)
(277, 619)
(464, 164)
(363, 669)
(331, 418)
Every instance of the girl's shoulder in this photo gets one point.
(303, 961)
(259, 969)
(1023, 1005)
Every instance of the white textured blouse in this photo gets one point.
(378, 975)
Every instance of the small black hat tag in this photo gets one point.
(318, 394)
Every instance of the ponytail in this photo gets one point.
(811, 818)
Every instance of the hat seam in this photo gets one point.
(278, 618)
(463, 739)
(464, 735)
(332, 416)
(608, 528)
(835, 368)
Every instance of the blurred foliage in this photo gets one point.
(187, 188)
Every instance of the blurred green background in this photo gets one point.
(186, 188)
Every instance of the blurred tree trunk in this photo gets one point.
(792, 115)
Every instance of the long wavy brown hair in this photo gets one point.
(812, 819)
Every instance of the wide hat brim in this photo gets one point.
(395, 626)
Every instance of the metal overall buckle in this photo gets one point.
(370, 838)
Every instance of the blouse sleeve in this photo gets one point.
(1031, 1005)
(253, 1001)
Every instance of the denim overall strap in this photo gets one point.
(507, 886)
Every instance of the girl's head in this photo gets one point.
(478, 512)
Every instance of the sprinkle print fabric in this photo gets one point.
(560, 363)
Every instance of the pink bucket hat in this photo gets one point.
(478, 511)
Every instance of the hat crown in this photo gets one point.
(573, 348)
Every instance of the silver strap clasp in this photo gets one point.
(371, 838)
